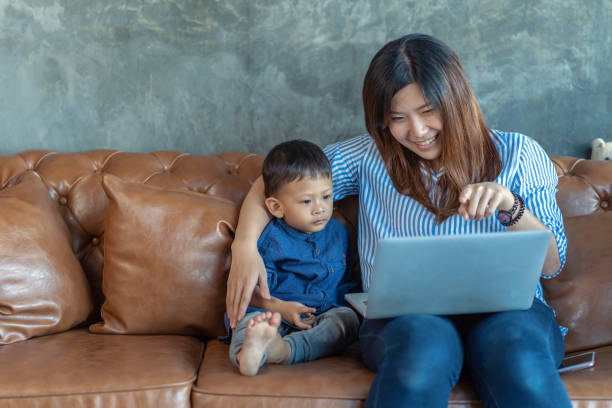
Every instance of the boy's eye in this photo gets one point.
(305, 201)
(327, 196)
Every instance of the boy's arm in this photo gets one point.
(290, 311)
(260, 302)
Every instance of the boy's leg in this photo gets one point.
(514, 357)
(331, 333)
(254, 335)
(238, 337)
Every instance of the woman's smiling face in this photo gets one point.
(415, 124)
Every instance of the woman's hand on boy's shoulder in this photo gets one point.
(481, 200)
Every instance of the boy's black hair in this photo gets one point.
(292, 160)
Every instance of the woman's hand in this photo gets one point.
(246, 271)
(481, 200)
(297, 314)
(247, 266)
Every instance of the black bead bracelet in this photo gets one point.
(506, 218)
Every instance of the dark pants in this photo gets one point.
(331, 332)
(512, 358)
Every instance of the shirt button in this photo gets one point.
(331, 269)
(317, 251)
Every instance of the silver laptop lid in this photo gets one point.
(456, 274)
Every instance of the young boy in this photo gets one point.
(304, 251)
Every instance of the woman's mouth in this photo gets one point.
(427, 143)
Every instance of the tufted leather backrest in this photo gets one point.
(581, 294)
(74, 180)
(585, 186)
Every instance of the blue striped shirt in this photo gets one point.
(358, 169)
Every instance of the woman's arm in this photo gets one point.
(481, 200)
(528, 221)
(247, 267)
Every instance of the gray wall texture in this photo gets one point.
(206, 76)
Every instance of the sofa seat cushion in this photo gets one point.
(78, 368)
(339, 381)
(343, 381)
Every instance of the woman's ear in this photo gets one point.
(275, 207)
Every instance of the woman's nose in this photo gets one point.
(418, 127)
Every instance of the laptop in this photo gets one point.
(454, 274)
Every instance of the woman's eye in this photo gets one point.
(396, 118)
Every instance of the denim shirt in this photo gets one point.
(307, 268)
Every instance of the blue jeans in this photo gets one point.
(512, 358)
(331, 332)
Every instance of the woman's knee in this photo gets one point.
(520, 378)
(425, 366)
(516, 370)
(423, 332)
(418, 344)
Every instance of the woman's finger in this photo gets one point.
(466, 193)
(495, 201)
(475, 200)
(484, 202)
(264, 291)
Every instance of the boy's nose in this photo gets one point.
(318, 208)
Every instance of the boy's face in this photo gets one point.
(305, 204)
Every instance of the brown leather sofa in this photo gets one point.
(157, 346)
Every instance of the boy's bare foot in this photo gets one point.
(260, 331)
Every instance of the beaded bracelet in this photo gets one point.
(506, 218)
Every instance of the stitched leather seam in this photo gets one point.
(69, 394)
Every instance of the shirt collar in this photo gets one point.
(297, 234)
(435, 175)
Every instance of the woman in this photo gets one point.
(430, 166)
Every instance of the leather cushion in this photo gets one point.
(80, 369)
(166, 258)
(43, 289)
(335, 381)
(582, 293)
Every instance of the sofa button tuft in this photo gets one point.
(63, 200)
(604, 204)
(95, 241)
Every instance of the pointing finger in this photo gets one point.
(465, 195)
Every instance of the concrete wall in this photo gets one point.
(207, 76)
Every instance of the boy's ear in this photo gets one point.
(275, 207)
